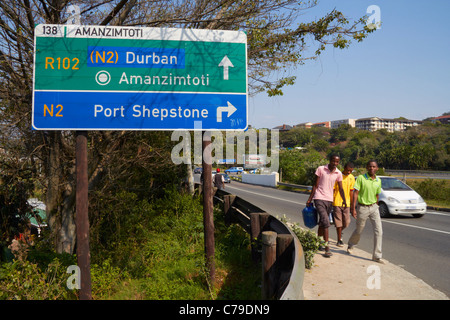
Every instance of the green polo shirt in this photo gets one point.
(368, 189)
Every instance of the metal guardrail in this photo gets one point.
(294, 185)
(273, 244)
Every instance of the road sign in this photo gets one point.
(128, 78)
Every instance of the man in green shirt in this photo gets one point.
(365, 206)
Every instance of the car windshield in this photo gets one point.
(393, 184)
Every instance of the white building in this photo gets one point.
(391, 125)
(337, 123)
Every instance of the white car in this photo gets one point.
(396, 197)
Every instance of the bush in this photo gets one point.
(24, 280)
(143, 250)
(432, 189)
(309, 240)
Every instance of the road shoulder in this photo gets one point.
(357, 277)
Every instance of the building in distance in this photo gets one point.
(391, 125)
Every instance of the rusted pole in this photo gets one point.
(82, 219)
(208, 218)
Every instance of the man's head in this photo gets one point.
(372, 167)
(334, 161)
(348, 168)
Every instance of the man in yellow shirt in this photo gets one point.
(341, 214)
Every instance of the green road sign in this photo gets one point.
(97, 77)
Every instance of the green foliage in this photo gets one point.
(105, 278)
(423, 147)
(436, 191)
(240, 276)
(309, 240)
(142, 250)
(299, 167)
(24, 280)
(15, 188)
(164, 245)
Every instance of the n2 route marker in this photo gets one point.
(128, 78)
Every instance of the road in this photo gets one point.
(419, 245)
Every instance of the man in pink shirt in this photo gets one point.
(322, 194)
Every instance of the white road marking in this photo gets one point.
(383, 220)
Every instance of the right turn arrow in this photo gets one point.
(230, 109)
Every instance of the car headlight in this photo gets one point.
(420, 200)
(391, 199)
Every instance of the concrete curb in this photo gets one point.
(357, 277)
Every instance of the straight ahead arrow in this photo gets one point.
(225, 63)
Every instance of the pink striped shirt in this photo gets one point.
(327, 179)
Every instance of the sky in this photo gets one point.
(400, 70)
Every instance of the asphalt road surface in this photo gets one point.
(419, 245)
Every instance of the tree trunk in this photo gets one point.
(59, 200)
(190, 179)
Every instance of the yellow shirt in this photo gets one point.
(347, 184)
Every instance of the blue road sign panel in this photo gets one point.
(130, 111)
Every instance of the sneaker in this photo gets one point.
(340, 243)
(350, 250)
(378, 260)
(327, 254)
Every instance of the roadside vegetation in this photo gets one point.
(434, 191)
(425, 147)
(142, 250)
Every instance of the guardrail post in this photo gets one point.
(227, 203)
(283, 242)
(263, 218)
(269, 252)
(284, 259)
(255, 231)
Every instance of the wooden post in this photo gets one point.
(283, 242)
(227, 203)
(263, 218)
(208, 219)
(82, 218)
(269, 251)
(255, 231)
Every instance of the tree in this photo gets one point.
(276, 41)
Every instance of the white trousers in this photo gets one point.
(372, 213)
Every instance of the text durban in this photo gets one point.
(141, 111)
